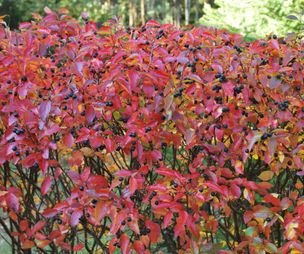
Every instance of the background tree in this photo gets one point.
(253, 18)
(133, 12)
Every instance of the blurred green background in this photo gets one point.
(252, 18)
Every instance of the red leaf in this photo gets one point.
(12, 201)
(275, 44)
(182, 59)
(167, 219)
(38, 226)
(85, 174)
(285, 203)
(90, 114)
(133, 79)
(270, 199)
(236, 190)
(112, 248)
(76, 215)
(189, 135)
(46, 184)
(133, 185)
(124, 243)
(180, 223)
(156, 155)
(248, 215)
(78, 247)
(123, 173)
(28, 244)
(96, 141)
(24, 225)
(50, 212)
(44, 109)
(274, 83)
(154, 231)
(79, 67)
(68, 140)
(101, 210)
(262, 212)
(300, 173)
(110, 146)
(134, 226)
(152, 23)
(169, 173)
(272, 145)
(139, 247)
(214, 187)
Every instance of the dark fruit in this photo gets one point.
(148, 129)
(109, 103)
(23, 78)
(133, 134)
(264, 136)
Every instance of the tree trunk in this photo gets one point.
(172, 12)
(142, 12)
(176, 12)
(132, 13)
(187, 11)
(110, 7)
(152, 8)
(197, 7)
(135, 13)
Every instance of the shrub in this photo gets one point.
(149, 140)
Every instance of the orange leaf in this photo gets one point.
(124, 243)
(266, 175)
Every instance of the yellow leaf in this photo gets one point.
(281, 157)
(74, 168)
(88, 152)
(57, 119)
(248, 195)
(290, 231)
(168, 102)
(266, 175)
(271, 248)
(279, 217)
(295, 252)
(80, 107)
(116, 115)
(2, 20)
(101, 155)
(301, 153)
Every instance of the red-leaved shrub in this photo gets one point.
(149, 140)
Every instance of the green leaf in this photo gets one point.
(271, 248)
(249, 231)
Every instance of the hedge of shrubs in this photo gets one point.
(149, 140)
